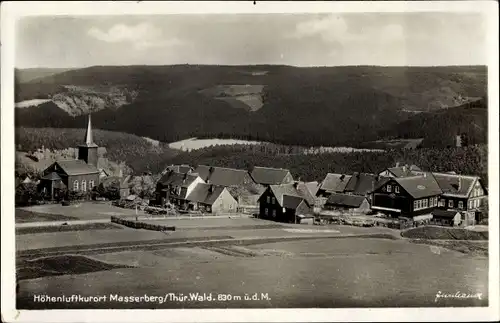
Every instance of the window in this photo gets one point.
(274, 213)
(415, 205)
(84, 186)
(478, 203)
(460, 204)
(450, 203)
(426, 203)
(268, 199)
(266, 211)
(273, 200)
(471, 205)
(91, 184)
(419, 204)
(389, 188)
(442, 202)
(75, 186)
(396, 189)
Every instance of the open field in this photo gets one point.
(194, 143)
(66, 228)
(25, 215)
(350, 272)
(83, 211)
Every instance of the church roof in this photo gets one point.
(76, 167)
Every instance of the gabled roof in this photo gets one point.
(222, 176)
(362, 183)
(405, 171)
(291, 202)
(335, 182)
(177, 179)
(269, 176)
(444, 213)
(76, 167)
(419, 186)
(52, 177)
(353, 201)
(313, 187)
(298, 190)
(205, 193)
(455, 185)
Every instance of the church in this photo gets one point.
(79, 175)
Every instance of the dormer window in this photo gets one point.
(389, 188)
(396, 189)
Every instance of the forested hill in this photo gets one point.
(329, 106)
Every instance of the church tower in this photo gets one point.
(88, 151)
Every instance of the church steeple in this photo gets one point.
(88, 150)
(88, 134)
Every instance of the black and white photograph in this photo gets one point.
(250, 155)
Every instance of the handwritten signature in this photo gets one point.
(458, 295)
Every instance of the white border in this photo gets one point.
(10, 11)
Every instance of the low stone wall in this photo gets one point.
(141, 225)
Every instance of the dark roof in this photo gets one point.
(362, 183)
(453, 184)
(353, 201)
(76, 167)
(420, 186)
(405, 171)
(298, 190)
(269, 176)
(222, 176)
(177, 179)
(52, 177)
(205, 193)
(335, 182)
(291, 202)
(444, 213)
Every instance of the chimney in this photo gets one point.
(397, 164)
(404, 168)
(211, 188)
(295, 184)
(459, 183)
(342, 177)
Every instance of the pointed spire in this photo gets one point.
(88, 134)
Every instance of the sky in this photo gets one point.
(387, 39)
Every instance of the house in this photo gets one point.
(362, 184)
(211, 198)
(285, 203)
(460, 192)
(271, 176)
(446, 218)
(353, 204)
(411, 197)
(333, 183)
(223, 176)
(175, 187)
(401, 171)
(79, 175)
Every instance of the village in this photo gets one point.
(400, 196)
